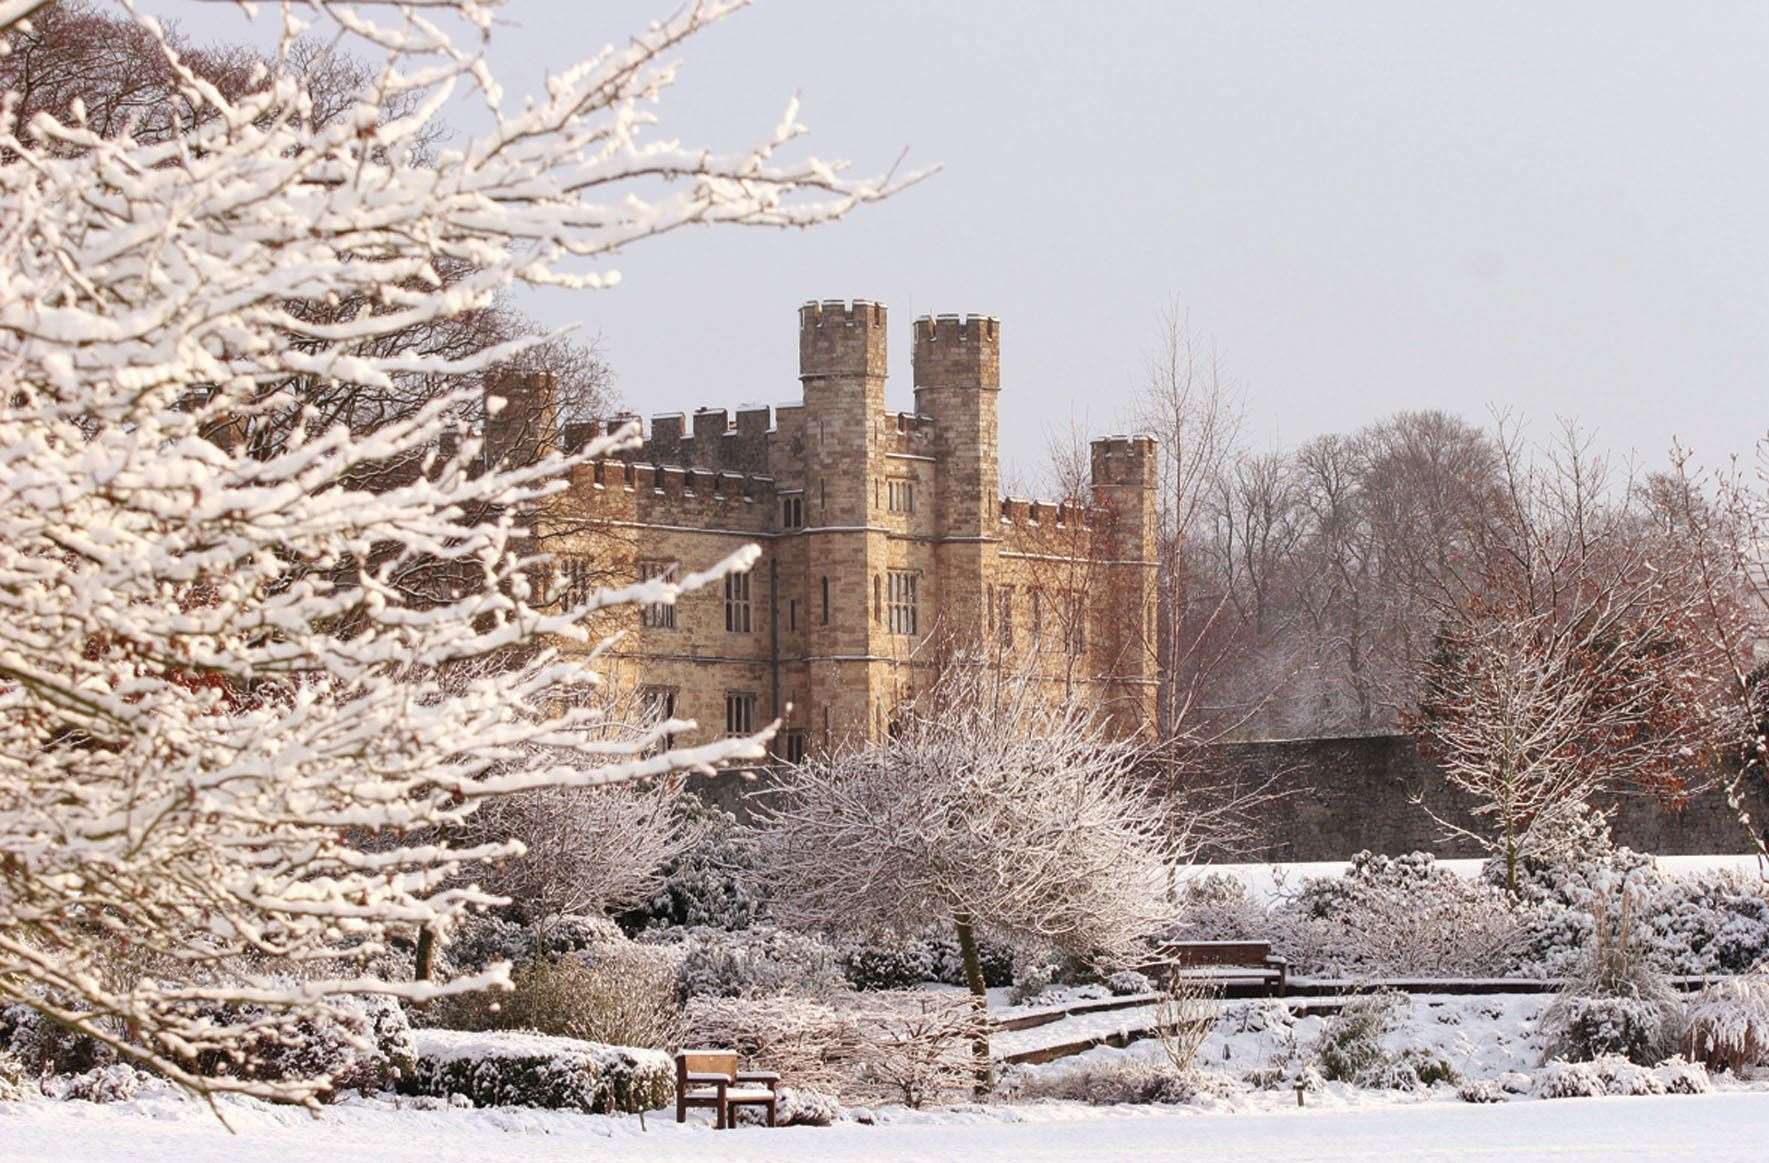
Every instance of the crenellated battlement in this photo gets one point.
(716, 442)
(1124, 460)
(837, 338)
(957, 351)
(1021, 512)
(677, 495)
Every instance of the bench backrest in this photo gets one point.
(707, 1062)
(1217, 952)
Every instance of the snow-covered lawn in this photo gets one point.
(1357, 1129)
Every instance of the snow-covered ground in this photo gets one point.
(1268, 881)
(1482, 1037)
(1716, 1128)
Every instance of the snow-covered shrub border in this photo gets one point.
(1726, 1026)
(516, 1069)
(1613, 1075)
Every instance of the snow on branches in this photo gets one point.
(221, 705)
(991, 806)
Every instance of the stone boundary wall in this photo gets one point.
(1343, 795)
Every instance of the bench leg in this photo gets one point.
(773, 1109)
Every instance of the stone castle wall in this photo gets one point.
(1344, 795)
(822, 488)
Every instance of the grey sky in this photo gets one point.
(1559, 208)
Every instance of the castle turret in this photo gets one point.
(520, 416)
(957, 380)
(842, 368)
(1124, 482)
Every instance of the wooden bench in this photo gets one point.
(1251, 961)
(711, 1078)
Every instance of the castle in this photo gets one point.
(883, 538)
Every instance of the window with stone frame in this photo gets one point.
(574, 581)
(740, 712)
(902, 587)
(900, 495)
(1004, 616)
(657, 704)
(790, 745)
(1074, 628)
(657, 615)
(792, 511)
(737, 604)
(1037, 620)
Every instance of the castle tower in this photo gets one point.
(842, 370)
(524, 426)
(957, 382)
(1124, 483)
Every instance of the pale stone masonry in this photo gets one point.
(885, 543)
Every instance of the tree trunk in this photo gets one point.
(979, 991)
(426, 954)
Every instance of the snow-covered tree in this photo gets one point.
(220, 707)
(990, 807)
(1569, 665)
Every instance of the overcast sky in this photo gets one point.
(1562, 209)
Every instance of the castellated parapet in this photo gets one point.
(842, 339)
(884, 539)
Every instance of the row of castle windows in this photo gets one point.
(896, 602)
(658, 706)
(904, 604)
(898, 497)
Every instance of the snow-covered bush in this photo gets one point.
(796, 1107)
(491, 938)
(812, 1044)
(903, 965)
(1030, 982)
(1113, 1082)
(1350, 1047)
(1681, 1076)
(361, 1043)
(1710, 922)
(523, 1069)
(118, 1082)
(760, 959)
(1127, 982)
(621, 994)
(1618, 1002)
(47, 1047)
(1586, 1028)
(1615, 1075)
(1411, 1068)
(1397, 916)
(712, 884)
(929, 956)
(1262, 1016)
(1482, 1090)
(1214, 906)
(916, 1047)
(1726, 1026)
(16, 1083)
